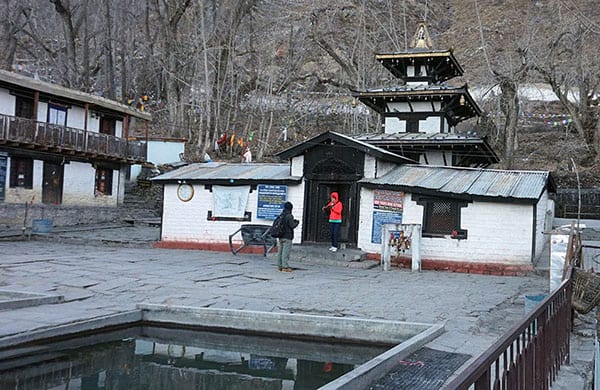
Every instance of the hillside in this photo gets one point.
(252, 68)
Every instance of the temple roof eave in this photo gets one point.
(457, 101)
(448, 66)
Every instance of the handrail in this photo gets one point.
(529, 356)
(42, 135)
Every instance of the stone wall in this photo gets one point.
(15, 215)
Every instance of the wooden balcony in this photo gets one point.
(28, 134)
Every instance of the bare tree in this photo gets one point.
(16, 13)
(568, 60)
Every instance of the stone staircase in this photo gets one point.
(140, 204)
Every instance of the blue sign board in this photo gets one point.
(381, 218)
(270, 201)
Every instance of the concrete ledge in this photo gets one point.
(12, 342)
(10, 300)
(348, 329)
(365, 375)
(409, 336)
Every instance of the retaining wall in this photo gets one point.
(15, 215)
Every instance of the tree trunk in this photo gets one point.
(509, 105)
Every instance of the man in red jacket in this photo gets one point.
(335, 208)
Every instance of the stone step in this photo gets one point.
(320, 254)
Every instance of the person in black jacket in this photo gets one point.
(285, 241)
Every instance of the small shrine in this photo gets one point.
(419, 115)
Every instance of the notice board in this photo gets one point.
(270, 201)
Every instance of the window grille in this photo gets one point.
(442, 216)
(21, 172)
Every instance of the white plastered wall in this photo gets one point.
(22, 195)
(7, 102)
(79, 184)
(497, 232)
(297, 166)
(187, 221)
(436, 158)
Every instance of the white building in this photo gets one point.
(59, 146)
(472, 219)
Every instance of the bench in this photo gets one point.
(253, 235)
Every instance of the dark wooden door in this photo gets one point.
(52, 184)
(316, 221)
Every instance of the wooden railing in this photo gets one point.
(61, 139)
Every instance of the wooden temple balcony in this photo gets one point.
(29, 134)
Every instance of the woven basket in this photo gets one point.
(586, 290)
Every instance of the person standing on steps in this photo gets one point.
(285, 240)
(335, 208)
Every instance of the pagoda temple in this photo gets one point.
(419, 115)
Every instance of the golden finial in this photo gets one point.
(421, 39)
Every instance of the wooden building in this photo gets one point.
(59, 146)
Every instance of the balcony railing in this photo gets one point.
(35, 135)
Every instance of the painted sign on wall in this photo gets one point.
(388, 200)
(387, 208)
(270, 201)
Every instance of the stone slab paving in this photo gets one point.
(99, 279)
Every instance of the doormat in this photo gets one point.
(426, 369)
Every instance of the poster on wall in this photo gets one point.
(3, 159)
(230, 202)
(388, 200)
(270, 201)
(387, 208)
(381, 218)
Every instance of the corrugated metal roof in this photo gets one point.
(402, 137)
(222, 171)
(522, 185)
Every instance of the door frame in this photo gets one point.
(52, 183)
(315, 220)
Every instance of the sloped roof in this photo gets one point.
(347, 141)
(442, 61)
(466, 183)
(458, 103)
(21, 82)
(229, 173)
(475, 149)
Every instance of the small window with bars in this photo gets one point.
(441, 217)
(21, 172)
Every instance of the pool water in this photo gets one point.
(155, 358)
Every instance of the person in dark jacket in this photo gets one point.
(285, 241)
